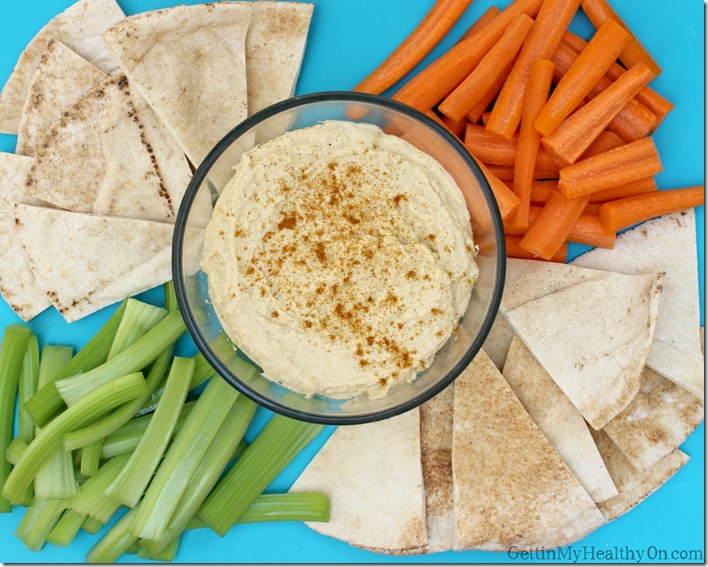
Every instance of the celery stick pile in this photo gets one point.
(120, 425)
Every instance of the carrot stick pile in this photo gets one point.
(560, 126)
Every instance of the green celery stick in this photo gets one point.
(14, 451)
(118, 539)
(66, 528)
(38, 521)
(170, 296)
(280, 441)
(133, 548)
(98, 402)
(29, 380)
(130, 485)
(202, 371)
(167, 554)
(91, 500)
(136, 357)
(225, 444)
(137, 320)
(47, 402)
(182, 458)
(91, 457)
(92, 525)
(12, 352)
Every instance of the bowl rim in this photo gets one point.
(179, 233)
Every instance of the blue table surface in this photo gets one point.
(348, 38)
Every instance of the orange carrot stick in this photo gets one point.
(573, 136)
(619, 214)
(478, 110)
(513, 250)
(506, 173)
(639, 187)
(552, 20)
(612, 168)
(592, 209)
(587, 69)
(529, 139)
(484, 20)
(437, 80)
(427, 34)
(605, 141)
(457, 127)
(506, 200)
(597, 12)
(541, 190)
(587, 229)
(487, 74)
(485, 117)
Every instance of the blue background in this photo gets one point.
(348, 38)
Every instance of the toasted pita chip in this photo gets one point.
(80, 28)
(660, 417)
(275, 46)
(633, 485)
(17, 283)
(373, 477)
(109, 155)
(593, 338)
(558, 419)
(196, 85)
(85, 262)
(61, 77)
(667, 243)
(511, 487)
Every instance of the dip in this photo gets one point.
(339, 259)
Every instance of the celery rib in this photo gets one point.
(137, 320)
(66, 528)
(291, 506)
(98, 402)
(170, 296)
(91, 457)
(117, 541)
(92, 525)
(14, 450)
(280, 441)
(38, 521)
(91, 500)
(167, 554)
(29, 380)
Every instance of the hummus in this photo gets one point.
(339, 259)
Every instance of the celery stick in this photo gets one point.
(137, 320)
(279, 442)
(167, 554)
(127, 437)
(29, 380)
(47, 402)
(67, 527)
(227, 441)
(170, 296)
(91, 499)
(12, 352)
(136, 357)
(98, 402)
(302, 507)
(133, 548)
(118, 539)
(202, 371)
(182, 458)
(91, 457)
(39, 519)
(14, 450)
(135, 476)
(92, 525)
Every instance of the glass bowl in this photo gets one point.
(212, 175)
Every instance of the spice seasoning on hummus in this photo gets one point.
(340, 259)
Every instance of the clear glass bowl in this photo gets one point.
(211, 177)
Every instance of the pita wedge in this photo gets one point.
(593, 338)
(660, 417)
(86, 262)
(667, 243)
(633, 485)
(558, 419)
(61, 77)
(109, 155)
(189, 63)
(511, 488)
(17, 283)
(373, 477)
(80, 28)
(275, 45)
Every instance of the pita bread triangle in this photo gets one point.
(109, 155)
(189, 63)
(86, 262)
(373, 477)
(509, 489)
(655, 423)
(61, 77)
(17, 283)
(633, 485)
(593, 338)
(80, 28)
(558, 419)
(667, 243)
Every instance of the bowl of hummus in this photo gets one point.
(339, 258)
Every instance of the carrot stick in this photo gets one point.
(529, 139)
(437, 80)
(587, 69)
(513, 250)
(484, 20)
(506, 173)
(506, 200)
(541, 190)
(478, 110)
(605, 141)
(639, 187)
(552, 20)
(427, 34)
(586, 230)
(553, 224)
(573, 136)
(592, 209)
(485, 117)
(619, 214)
(487, 74)
(597, 12)
(457, 127)
(612, 168)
